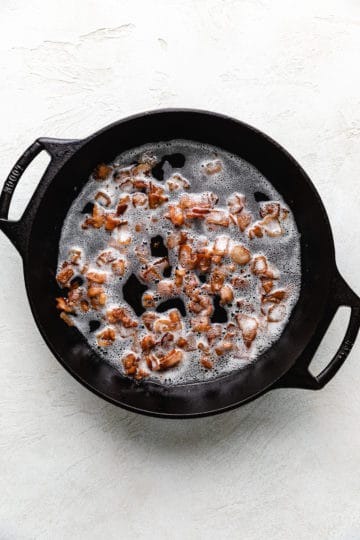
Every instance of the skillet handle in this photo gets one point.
(16, 231)
(299, 375)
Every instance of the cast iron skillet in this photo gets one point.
(323, 290)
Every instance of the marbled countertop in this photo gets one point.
(286, 466)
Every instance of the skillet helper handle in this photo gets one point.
(56, 148)
(299, 376)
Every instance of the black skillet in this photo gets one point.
(323, 290)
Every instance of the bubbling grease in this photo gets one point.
(236, 175)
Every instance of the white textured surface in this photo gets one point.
(283, 467)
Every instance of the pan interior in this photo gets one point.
(46, 218)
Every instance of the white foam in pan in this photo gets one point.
(236, 175)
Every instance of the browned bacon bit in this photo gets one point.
(248, 326)
(96, 277)
(217, 279)
(138, 227)
(182, 342)
(187, 257)
(119, 267)
(239, 282)
(244, 305)
(191, 282)
(226, 294)
(84, 305)
(142, 253)
(270, 209)
(142, 168)
(224, 346)
(96, 220)
(202, 347)
(75, 255)
(272, 226)
(221, 245)
(106, 337)
(200, 303)
(103, 198)
(214, 333)
(284, 214)
(150, 274)
(236, 203)
(139, 199)
(130, 362)
(276, 313)
(275, 297)
(106, 257)
(162, 263)
(243, 220)
(176, 182)
(200, 323)
(171, 359)
(64, 305)
(64, 276)
(149, 319)
(75, 294)
(66, 318)
(179, 276)
(218, 217)
(175, 319)
(256, 230)
(259, 266)
(267, 285)
(206, 362)
(175, 214)
(111, 222)
(121, 315)
(156, 196)
(121, 208)
(165, 287)
(208, 199)
(147, 342)
(167, 340)
(148, 300)
(101, 172)
(213, 167)
(240, 254)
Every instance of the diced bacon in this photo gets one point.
(226, 294)
(64, 276)
(96, 277)
(139, 199)
(236, 202)
(218, 217)
(106, 257)
(212, 167)
(103, 198)
(221, 245)
(121, 315)
(106, 337)
(119, 267)
(102, 171)
(276, 313)
(248, 326)
(243, 220)
(240, 254)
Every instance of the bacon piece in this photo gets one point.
(179, 276)
(175, 215)
(156, 196)
(119, 267)
(217, 279)
(130, 362)
(148, 300)
(106, 337)
(111, 222)
(275, 297)
(236, 202)
(218, 217)
(147, 342)
(139, 199)
(105, 257)
(102, 171)
(66, 319)
(187, 257)
(206, 362)
(96, 277)
(212, 167)
(276, 313)
(103, 198)
(121, 315)
(221, 245)
(240, 254)
(165, 287)
(270, 209)
(64, 305)
(243, 220)
(149, 319)
(64, 276)
(226, 295)
(96, 220)
(248, 326)
(200, 323)
(75, 255)
(214, 333)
